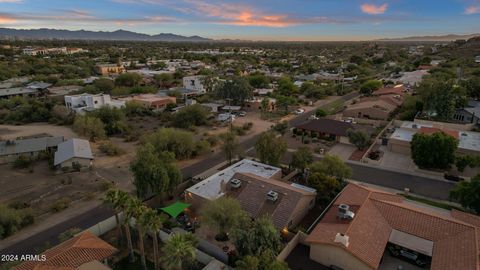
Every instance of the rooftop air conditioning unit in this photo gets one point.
(272, 196)
(344, 212)
(235, 183)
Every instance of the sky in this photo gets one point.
(303, 20)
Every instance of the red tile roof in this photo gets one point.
(455, 236)
(397, 90)
(72, 253)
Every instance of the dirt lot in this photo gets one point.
(13, 132)
(40, 186)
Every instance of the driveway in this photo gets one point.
(396, 160)
(344, 151)
(392, 263)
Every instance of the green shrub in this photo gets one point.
(60, 204)
(12, 220)
(111, 149)
(247, 126)
(68, 234)
(202, 147)
(240, 131)
(22, 161)
(213, 140)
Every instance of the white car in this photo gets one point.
(299, 111)
(226, 117)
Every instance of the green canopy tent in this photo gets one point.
(175, 209)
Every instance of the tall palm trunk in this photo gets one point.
(142, 248)
(119, 229)
(155, 250)
(129, 242)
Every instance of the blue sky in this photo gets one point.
(248, 19)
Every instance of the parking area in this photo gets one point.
(344, 151)
(392, 263)
(396, 160)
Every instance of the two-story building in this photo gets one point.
(88, 102)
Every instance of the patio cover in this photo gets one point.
(175, 209)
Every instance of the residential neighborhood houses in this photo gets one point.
(238, 155)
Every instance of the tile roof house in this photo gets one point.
(293, 202)
(79, 252)
(253, 181)
(337, 130)
(451, 239)
(377, 108)
(155, 102)
(396, 90)
(73, 151)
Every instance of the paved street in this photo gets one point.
(374, 175)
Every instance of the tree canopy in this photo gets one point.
(223, 214)
(270, 148)
(194, 115)
(467, 193)
(359, 138)
(257, 236)
(370, 86)
(433, 151)
(439, 98)
(179, 142)
(179, 252)
(128, 79)
(302, 158)
(236, 89)
(331, 165)
(154, 172)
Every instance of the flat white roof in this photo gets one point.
(210, 188)
(413, 125)
(403, 134)
(469, 140)
(466, 139)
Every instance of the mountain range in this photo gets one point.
(450, 37)
(45, 33)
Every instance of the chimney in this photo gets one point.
(342, 238)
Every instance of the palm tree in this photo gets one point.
(112, 199)
(136, 209)
(153, 222)
(179, 250)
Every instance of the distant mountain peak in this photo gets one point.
(448, 37)
(120, 34)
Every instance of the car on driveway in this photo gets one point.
(453, 177)
(241, 113)
(299, 111)
(408, 255)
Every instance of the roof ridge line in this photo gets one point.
(409, 208)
